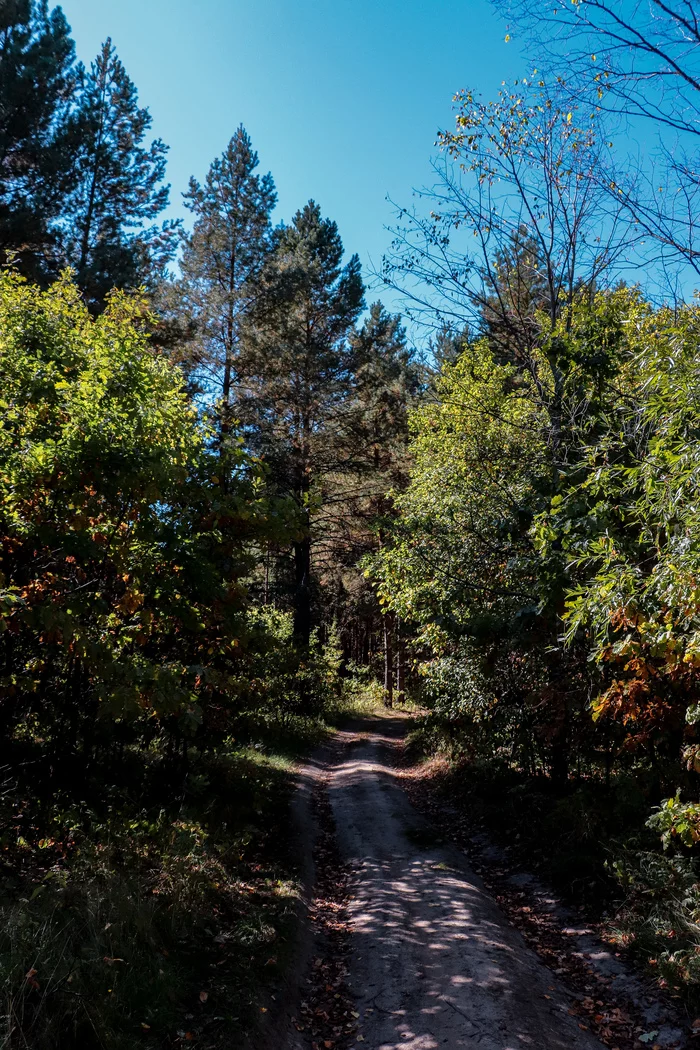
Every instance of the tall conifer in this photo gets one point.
(299, 372)
(221, 264)
(108, 222)
(37, 80)
(388, 379)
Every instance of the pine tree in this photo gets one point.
(370, 435)
(221, 264)
(447, 346)
(107, 226)
(516, 289)
(297, 375)
(37, 81)
(388, 379)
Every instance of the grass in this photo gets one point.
(151, 921)
(148, 905)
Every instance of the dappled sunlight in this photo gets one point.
(434, 962)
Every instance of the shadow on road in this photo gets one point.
(434, 963)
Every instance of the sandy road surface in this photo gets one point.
(434, 963)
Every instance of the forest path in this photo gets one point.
(433, 961)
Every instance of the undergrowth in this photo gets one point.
(147, 919)
(152, 902)
(594, 842)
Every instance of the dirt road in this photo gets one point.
(434, 963)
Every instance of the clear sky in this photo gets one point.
(342, 98)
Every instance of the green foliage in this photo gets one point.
(478, 464)
(121, 914)
(78, 186)
(457, 688)
(629, 530)
(460, 566)
(278, 668)
(116, 186)
(678, 821)
(221, 263)
(659, 919)
(547, 555)
(296, 376)
(37, 86)
(122, 600)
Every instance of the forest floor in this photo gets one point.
(409, 948)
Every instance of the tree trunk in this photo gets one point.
(87, 228)
(388, 660)
(302, 614)
(559, 760)
(400, 666)
(302, 592)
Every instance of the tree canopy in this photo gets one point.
(240, 495)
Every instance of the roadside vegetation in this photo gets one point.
(544, 551)
(236, 502)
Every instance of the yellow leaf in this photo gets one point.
(507, 37)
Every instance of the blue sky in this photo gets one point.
(342, 98)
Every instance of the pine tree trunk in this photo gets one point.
(388, 660)
(87, 228)
(302, 591)
(400, 666)
(559, 762)
(228, 356)
(302, 614)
